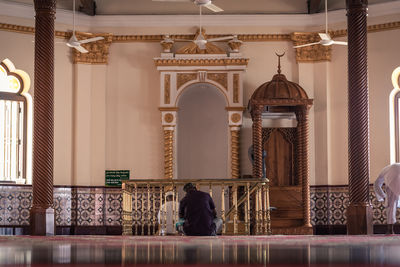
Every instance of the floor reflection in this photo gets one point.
(306, 250)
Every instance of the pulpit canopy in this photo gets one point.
(279, 92)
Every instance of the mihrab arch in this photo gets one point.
(178, 72)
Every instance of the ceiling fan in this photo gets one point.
(74, 42)
(206, 3)
(326, 39)
(200, 39)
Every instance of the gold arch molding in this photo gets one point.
(177, 77)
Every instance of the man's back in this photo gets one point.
(197, 210)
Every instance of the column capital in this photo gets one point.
(313, 53)
(98, 51)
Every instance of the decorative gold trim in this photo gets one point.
(221, 78)
(168, 117)
(190, 37)
(235, 108)
(183, 78)
(192, 48)
(17, 28)
(158, 37)
(168, 109)
(313, 53)
(235, 88)
(235, 117)
(235, 45)
(201, 62)
(167, 88)
(98, 51)
(371, 28)
(168, 153)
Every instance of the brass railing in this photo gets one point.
(244, 204)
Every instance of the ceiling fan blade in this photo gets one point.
(339, 43)
(220, 38)
(298, 46)
(94, 39)
(324, 36)
(81, 49)
(213, 7)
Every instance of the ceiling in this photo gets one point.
(149, 7)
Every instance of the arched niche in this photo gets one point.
(178, 75)
(202, 133)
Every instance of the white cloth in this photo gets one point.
(168, 226)
(390, 175)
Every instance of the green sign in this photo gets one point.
(115, 178)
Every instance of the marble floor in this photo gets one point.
(373, 250)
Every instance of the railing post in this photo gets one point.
(161, 225)
(269, 231)
(235, 214)
(223, 210)
(136, 210)
(247, 209)
(154, 216)
(126, 210)
(165, 210)
(174, 208)
(264, 211)
(148, 210)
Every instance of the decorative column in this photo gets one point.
(169, 123)
(42, 212)
(235, 121)
(359, 212)
(235, 131)
(168, 152)
(257, 140)
(303, 170)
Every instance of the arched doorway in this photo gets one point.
(202, 133)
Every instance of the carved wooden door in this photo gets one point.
(279, 159)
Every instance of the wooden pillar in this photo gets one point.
(359, 212)
(42, 212)
(303, 169)
(257, 141)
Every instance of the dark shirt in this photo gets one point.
(197, 208)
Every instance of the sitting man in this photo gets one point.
(197, 210)
(390, 175)
(166, 215)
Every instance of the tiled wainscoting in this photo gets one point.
(97, 210)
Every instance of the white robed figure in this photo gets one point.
(168, 214)
(390, 175)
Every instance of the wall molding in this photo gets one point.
(260, 37)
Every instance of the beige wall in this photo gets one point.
(107, 117)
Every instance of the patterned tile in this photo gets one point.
(103, 206)
(99, 206)
(3, 195)
(113, 208)
(86, 208)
